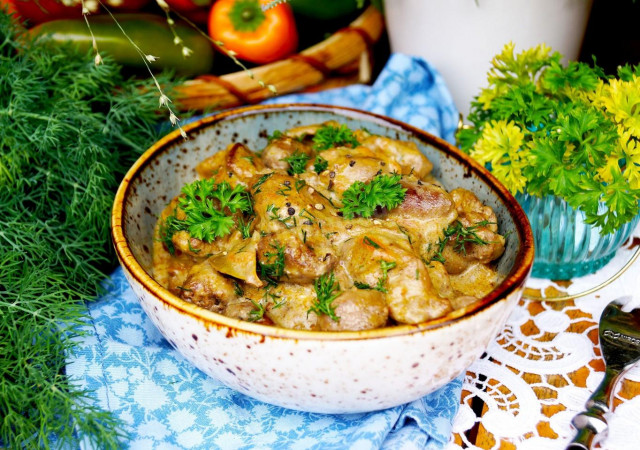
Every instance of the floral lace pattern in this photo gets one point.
(541, 369)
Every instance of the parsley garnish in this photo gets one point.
(320, 164)
(209, 209)
(362, 199)
(275, 135)
(566, 130)
(329, 136)
(327, 290)
(297, 162)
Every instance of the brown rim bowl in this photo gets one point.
(331, 372)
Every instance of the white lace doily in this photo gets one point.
(541, 369)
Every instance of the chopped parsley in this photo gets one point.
(327, 290)
(297, 162)
(362, 199)
(320, 164)
(329, 136)
(275, 135)
(209, 209)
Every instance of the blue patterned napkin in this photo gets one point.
(168, 404)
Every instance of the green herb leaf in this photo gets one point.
(208, 208)
(320, 164)
(329, 136)
(297, 162)
(362, 199)
(69, 131)
(460, 236)
(273, 269)
(327, 290)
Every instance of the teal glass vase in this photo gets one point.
(567, 247)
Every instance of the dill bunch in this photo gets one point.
(68, 131)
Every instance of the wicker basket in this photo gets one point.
(343, 58)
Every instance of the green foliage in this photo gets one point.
(329, 136)
(565, 130)
(209, 209)
(385, 266)
(460, 236)
(271, 270)
(320, 164)
(68, 131)
(297, 162)
(362, 199)
(327, 290)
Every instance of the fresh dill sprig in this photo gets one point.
(69, 130)
(297, 163)
(386, 266)
(271, 270)
(327, 290)
(260, 308)
(362, 199)
(320, 164)
(245, 227)
(260, 182)
(460, 236)
(329, 136)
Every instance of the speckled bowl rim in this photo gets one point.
(515, 279)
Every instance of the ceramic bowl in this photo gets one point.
(327, 372)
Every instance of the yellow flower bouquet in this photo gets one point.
(565, 139)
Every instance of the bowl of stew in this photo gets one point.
(320, 258)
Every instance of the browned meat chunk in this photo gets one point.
(378, 260)
(357, 310)
(427, 209)
(274, 155)
(304, 261)
(484, 246)
(206, 288)
(236, 164)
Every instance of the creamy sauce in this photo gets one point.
(419, 260)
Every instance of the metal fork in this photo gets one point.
(620, 344)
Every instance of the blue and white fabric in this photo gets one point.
(168, 404)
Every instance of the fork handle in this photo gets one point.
(592, 422)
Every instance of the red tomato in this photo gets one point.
(38, 11)
(126, 5)
(255, 35)
(189, 5)
(44, 10)
(194, 10)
